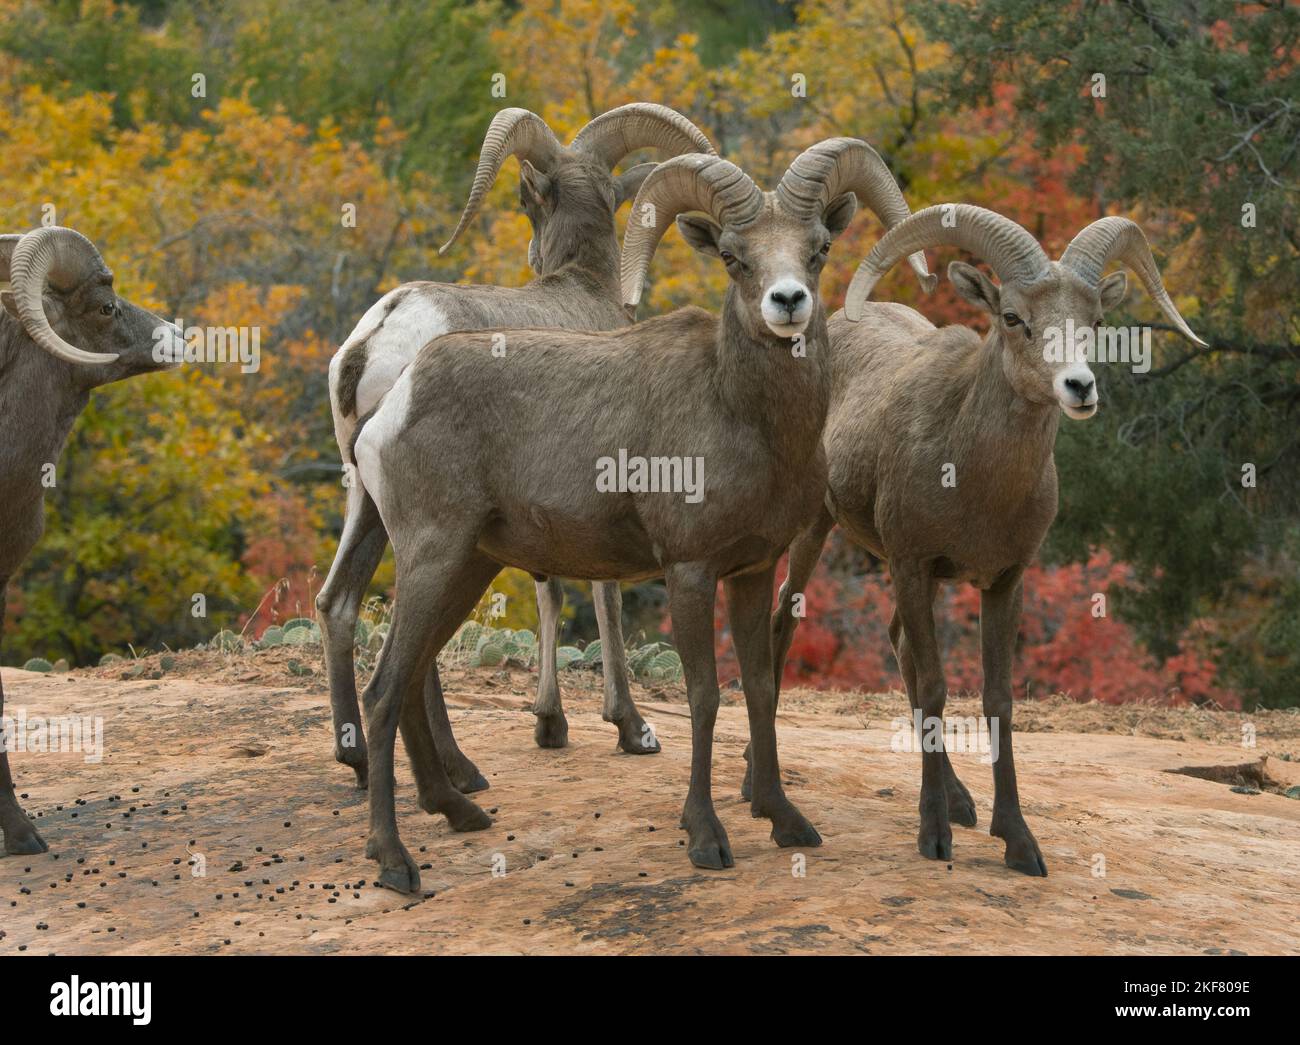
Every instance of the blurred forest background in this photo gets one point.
(225, 210)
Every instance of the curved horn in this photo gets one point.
(513, 132)
(1118, 239)
(65, 258)
(838, 165)
(641, 125)
(684, 183)
(1011, 252)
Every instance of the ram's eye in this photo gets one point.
(826, 248)
(726, 256)
(107, 310)
(1010, 319)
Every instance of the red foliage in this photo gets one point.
(283, 559)
(1070, 640)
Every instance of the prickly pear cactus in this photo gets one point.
(227, 642)
(490, 653)
(273, 636)
(665, 666)
(467, 637)
(38, 664)
(108, 659)
(592, 654)
(568, 657)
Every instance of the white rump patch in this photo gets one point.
(379, 431)
(408, 328)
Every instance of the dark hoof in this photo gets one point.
(637, 737)
(24, 842)
(961, 807)
(791, 829)
(708, 847)
(461, 813)
(358, 759)
(464, 776)
(551, 731)
(934, 841)
(397, 871)
(1023, 854)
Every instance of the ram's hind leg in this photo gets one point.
(634, 734)
(961, 807)
(551, 729)
(435, 590)
(360, 549)
(428, 736)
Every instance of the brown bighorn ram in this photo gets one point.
(477, 462)
(911, 403)
(570, 197)
(57, 294)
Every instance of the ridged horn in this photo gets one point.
(66, 259)
(1011, 252)
(838, 165)
(640, 125)
(684, 183)
(513, 132)
(1118, 239)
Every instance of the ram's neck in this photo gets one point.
(38, 406)
(1008, 441)
(593, 258)
(780, 386)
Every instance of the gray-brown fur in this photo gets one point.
(570, 197)
(477, 462)
(40, 399)
(910, 404)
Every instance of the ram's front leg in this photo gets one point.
(999, 622)
(749, 605)
(20, 836)
(692, 589)
(914, 589)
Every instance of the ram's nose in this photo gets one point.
(787, 306)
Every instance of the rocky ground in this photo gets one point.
(217, 822)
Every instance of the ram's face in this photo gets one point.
(774, 261)
(1045, 328)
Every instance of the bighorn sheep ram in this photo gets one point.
(59, 294)
(570, 197)
(477, 462)
(911, 404)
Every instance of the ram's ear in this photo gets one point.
(971, 284)
(839, 213)
(628, 184)
(1114, 288)
(534, 186)
(700, 233)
